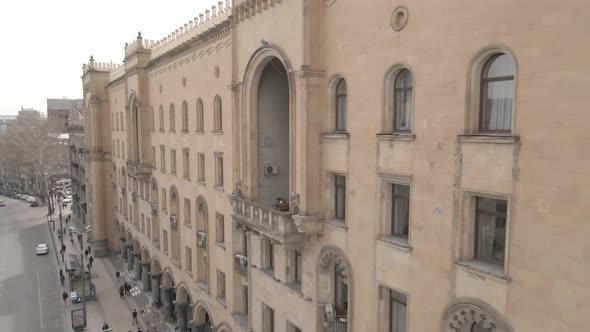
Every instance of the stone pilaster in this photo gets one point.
(137, 265)
(129, 259)
(145, 276)
(167, 302)
(181, 317)
(156, 287)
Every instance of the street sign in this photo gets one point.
(73, 296)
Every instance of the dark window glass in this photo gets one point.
(490, 229)
(341, 104)
(340, 196)
(403, 101)
(400, 213)
(497, 93)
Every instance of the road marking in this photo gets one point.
(40, 305)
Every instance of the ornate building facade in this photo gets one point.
(342, 165)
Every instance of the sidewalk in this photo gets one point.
(108, 307)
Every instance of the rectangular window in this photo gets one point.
(220, 228)
(162, 158)
(201, 167)
(187, 212)
(142, 228)
(117, 121)
(340, 292)
(298, 266)
(400, 210)
(267, 254)
(154, 157)
(245, 305)
(173, 161)
(123, 155)
(164, 199)
(185, 164)
(165, 240)
(398, 308)
(268, 319)
(219, 170)
(189, 260)
(161, 118)
(220, 285)
(490, 229)
(340, 196)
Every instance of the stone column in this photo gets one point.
(156, 287)
(123, 249)
(167, 302)
(145, 272)
(137, 265)
(181, 320)
(129, 258)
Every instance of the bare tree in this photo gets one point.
(34, 145)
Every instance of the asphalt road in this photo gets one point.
(30, 294)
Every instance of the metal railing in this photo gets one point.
(337, 324)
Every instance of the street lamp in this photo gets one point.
(83, 273)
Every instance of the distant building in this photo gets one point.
(5, 122)
(58, 110)
(27, 114)
(77, 164)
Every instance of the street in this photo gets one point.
(30, 295)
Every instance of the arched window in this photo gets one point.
(200, 124)
(184, 116)
(161, 118)
(403, 98)
(153, 118)
(217, 114)
(172, 118)
(497, 93)
(341, 104)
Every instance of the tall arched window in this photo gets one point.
(153, 118)
(341, 105)
(497, 93)
(217, 114)
(172, 118)
(161, 118)
(200, 123)
(184, 116)
(403, 98)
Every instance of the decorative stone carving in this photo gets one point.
(216, 72)
(332, 258)
(294, 203)
(461, 317)
(237, 192)
(399, 18)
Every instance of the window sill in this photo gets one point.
(396, 242)
(270, 273)
(221, 300)
(172, 131)
(489, 138)
(161, 130)
(204, 286)
(295, 287)
(337, 135)
(184, 131)
(189, 273)
(187, 224)
(396, 137)
(165, 251)
(163, 171)
(173, 173)
(220, 244)
(217, 132)
(484, 269)
(200, 132)
(164, 211)
(202, 183)
(337, 223)
(218, 188)
(186, 178)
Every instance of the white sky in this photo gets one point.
(45, 42)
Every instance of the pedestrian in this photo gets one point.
(67, 220)
(62, 279)
(64, 296)
(89, 251)
(128, 288)
(121, 291)
(63, 247)
(117, 274)
(125, 287)
(105, 326)
(90, 260)
(86, 253)
(134, 314)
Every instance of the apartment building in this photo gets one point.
(341, 165)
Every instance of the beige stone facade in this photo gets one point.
(344, 165)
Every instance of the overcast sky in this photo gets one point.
(45, 42)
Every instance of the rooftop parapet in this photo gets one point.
(204, 22)
(100, 66)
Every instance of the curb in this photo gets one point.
(53, 241)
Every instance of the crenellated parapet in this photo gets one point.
(93, 65)
(244, 9)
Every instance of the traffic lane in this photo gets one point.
(30, 296)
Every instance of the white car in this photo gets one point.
(68, 199)
(2, 203)
(42, 249)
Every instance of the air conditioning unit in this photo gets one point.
(173, 222)
(154, 208)
(242, 260)
(270, 169)
(201, 239)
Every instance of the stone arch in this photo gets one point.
(388, 95)
(136, 245)
(183, 294)
(129, 237)
(331, 261)
(224, 327)
(168, 278)
(155, 266)
(463, 313)
(257, 64)
(202, 314)
(145, 254)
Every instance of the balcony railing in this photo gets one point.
(240, 263)
(336, 324)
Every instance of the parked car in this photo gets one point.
(34, 204)
(2, 203)
(42, 249)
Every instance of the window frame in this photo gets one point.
(201, 167)
(483, 84)
(172, 118)
(200, 123)
(186, 163)
(477, 213)
(396, 111)
(173, 161)
(219, 170)
(339, 113)
(185, 119)
(394, 197)
(217, 115)
(336, 197)
(219, 228)
(161, 118)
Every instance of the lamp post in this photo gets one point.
(83, 273)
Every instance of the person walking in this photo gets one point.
(121, 291)
(127, 287)
(86, 253)
(89, 251)
(117, 275)
(134, 315)
(105, 326)
(62, 279)
(64, 296)
(90, 260)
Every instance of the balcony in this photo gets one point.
(240, 264)
(154, 208)
(139, 171)
(278, 225)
